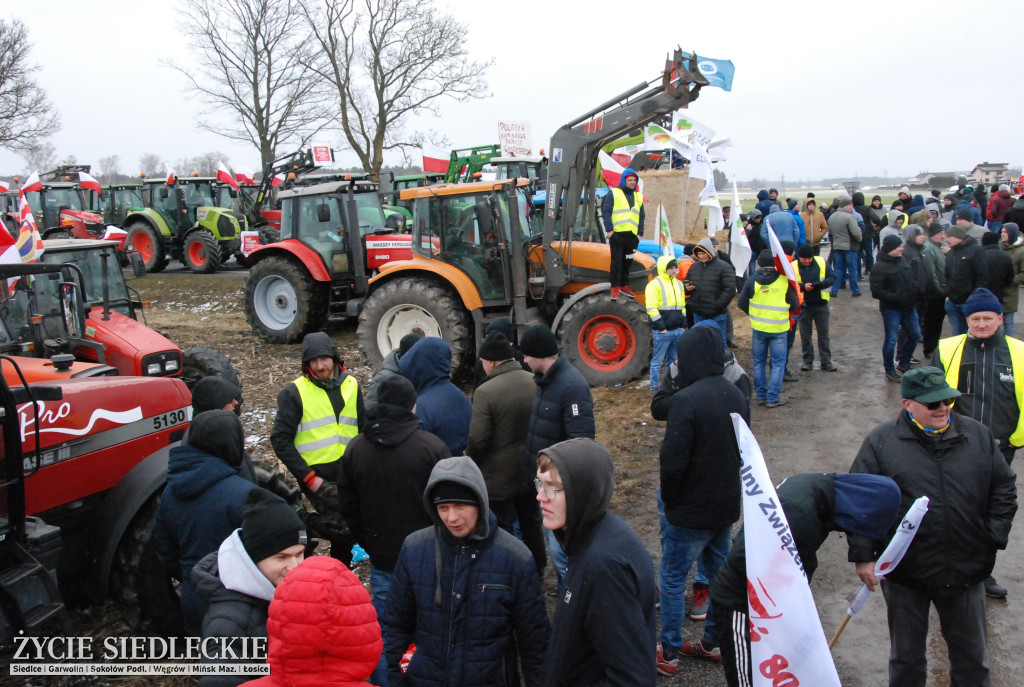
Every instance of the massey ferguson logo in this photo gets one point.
(51, 416)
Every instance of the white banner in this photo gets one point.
(514, 138)
(739, 245)
(140, 669)
(787, 645)
(683, 124)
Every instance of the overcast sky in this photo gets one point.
(821, 89)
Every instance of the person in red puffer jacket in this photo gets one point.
(322, 629)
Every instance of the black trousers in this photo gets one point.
(933, 313)
(623, 244)
(526, 510)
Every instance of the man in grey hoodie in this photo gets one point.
(846, 236)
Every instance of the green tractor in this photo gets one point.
(182, 221)
(118, 201)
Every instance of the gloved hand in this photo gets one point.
(325, 499)
(324, 526)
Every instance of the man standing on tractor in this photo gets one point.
(623, 214)
(318, 414)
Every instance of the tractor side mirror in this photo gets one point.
(69, 309)
(162, 194)
(138, 266)
(233, 193)
(323, 212)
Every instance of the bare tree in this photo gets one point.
(205, 165)
(251, 55)
(110, 168)
(25, 114)
(40, 158)
(387, 60)
(151, 164)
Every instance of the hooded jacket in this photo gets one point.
(497, 433)
(815, 224)
(609, 201)
(1016, 213)
(289, 409)
(605, 623)
(715, 283)
(665, 299)
(443, 408)
(764, 203)
(877, 214)
(562, 409)
(764, 276)
(845, 232)
(466, 603)
(388, 463)
(753, 231)
(965, 271)
(999, 204)
(864, 211)
(322, 627)
(999, 267)
(895, 283)
(700, 459)
(1015, 249)
(934, 261)
(967, 204)
(203, 502)
(784, 226)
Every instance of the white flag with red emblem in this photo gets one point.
(32, 183)
(435, 160)
(787, 644)
(86, 181)
(224, 176)
(244, 176)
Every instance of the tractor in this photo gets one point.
(120, 200)
(475, 257)
(63, 209)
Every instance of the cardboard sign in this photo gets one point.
(250, 242)
(514, 138)
(322, 153)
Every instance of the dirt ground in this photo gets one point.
(820, 430)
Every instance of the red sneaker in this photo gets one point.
(615, 293)
(699, 607)
(628, 291)
(697, 650)
(667, 666)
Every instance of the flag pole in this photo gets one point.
(842, 627)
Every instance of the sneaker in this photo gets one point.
(781, 402)
(992, 589)
(903, 368)
(615, 293)
(830, 367)
(698, 650)
(788, 376)
(628, 291)
(699, 607)
(761, 401)
(806, 367)
(667, 663)
(915, 361)
(894, 377)
(856, 295)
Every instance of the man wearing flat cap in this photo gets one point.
(955, 461)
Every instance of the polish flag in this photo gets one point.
(277, 180)
(224, 176)
(170, 175)
(4, 186)
(8, 249)
(435, 159)
(32, 183)
(782, 263)
(245, 177)
(611, 170)
(88, 182)
(29, 244)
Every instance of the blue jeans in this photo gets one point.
(765, 344)
(957, 318)
(680, 547)
(721, 321)
(846, 267)
(380, 583)
(1008, 323)
(892, 320)
(559, 559)
(664, 352)
(994, 225)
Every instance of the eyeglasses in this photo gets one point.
(549, 491)
(934, 405)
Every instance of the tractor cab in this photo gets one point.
(527, 167)
(119, 200)
(65, 209)
(103, 282)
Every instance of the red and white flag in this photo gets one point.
(435, 160)
(170, 175)
(86, 181)
(611, 170)
(782, 262)
(4, 186)
(245, 177)
(277, 180)
(224, 176)
(8, 248)
(29, 244)
(32, 183)
(787, 644)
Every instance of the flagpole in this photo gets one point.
(842, 627)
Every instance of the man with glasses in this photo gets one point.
(954, 461)
(987, 367)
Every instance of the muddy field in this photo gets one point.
(820, 430)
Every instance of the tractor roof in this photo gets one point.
(77, 244)
(357, 185)
(459, 189)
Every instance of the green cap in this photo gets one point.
(927, 385)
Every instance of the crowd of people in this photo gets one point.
(460, 501)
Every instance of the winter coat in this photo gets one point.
(967, 204)
(502, 405)
(466, 603)
(913, 254)
(441, 405)
(203, 502)
(388, 463)
(972, 500)
(670, 384)
(965, 271)
(237, 597)
(665, 297)
(846, 235)
(784, 226)
(1016, 213)
(700, 459)
(1011, 295)
(811, 274)
(289, 410)
(816, 225)
(801, 228)
(894, 283)
(863, 212)
(935, 265)
(765, 204)
(605, 623)
(753, 232)
(877, 214)
(999, 204)
(322, 627)
(608, 204)
(562, 409)
(389, 367)
(1000, 270)
(714, 282)
(764, 276)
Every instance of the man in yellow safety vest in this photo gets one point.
(768, 298)
(816, 278)
(623, 213)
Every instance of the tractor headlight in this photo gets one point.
(171, 366)
(162, 364)
(154, 369)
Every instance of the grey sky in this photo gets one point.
(821, 89)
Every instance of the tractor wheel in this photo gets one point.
(409, 305)
(201, 252)
(206, 362)
(608, 341)
(141, 587)
(282, 301)
(143, 238)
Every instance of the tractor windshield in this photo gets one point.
(60, 198)
(90, 261)
(369, 213)
(199, 194)
(92, 201)
(129, 198)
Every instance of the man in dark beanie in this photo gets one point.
(383, 474)
(216, 393)
(497, 441)
(203, 502)
(895, 285)
(465, 591)
(503, 326)
(562, 409)
(965, 272)
(1011, 243)
(390, 365)
(815, 278)
(238, 580)
(768, 298)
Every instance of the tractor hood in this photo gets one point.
(131, 347)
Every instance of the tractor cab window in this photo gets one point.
(91, 264)
(471, 235)
(320, 227)
(199, 194)
(369, 213)
(93, 203)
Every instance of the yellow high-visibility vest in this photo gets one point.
(321, 436)
(625, 218)
(768, 310)
(825, 293)
(951, 350)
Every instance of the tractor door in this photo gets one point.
(318, 224)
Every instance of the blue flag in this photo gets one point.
(718, 72)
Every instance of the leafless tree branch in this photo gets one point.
(26, 116)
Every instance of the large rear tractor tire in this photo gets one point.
(201, 252)
(144, 239)
(282, 301)
(413, 304)
(608, 341)
(143, 591)
(205, 362)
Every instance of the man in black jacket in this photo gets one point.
(965, 271)
(710, 285)
(699, 499)
(954, 460)
(895, 284)
(604, 627)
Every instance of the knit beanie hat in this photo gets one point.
(891, 243)
(396, 390)
(454, 492)
(956, 232)
(866, 505)
(990, 238)
(935, 229)
(792, 202)
(407, 342)
(765, 259)
(963, 213)
(1012, 232)
(538, 342)
(805, 251)
(982, 300)
(269, 525)
(788, 247)
(213, 393)
(503, 325)
(495, 348)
